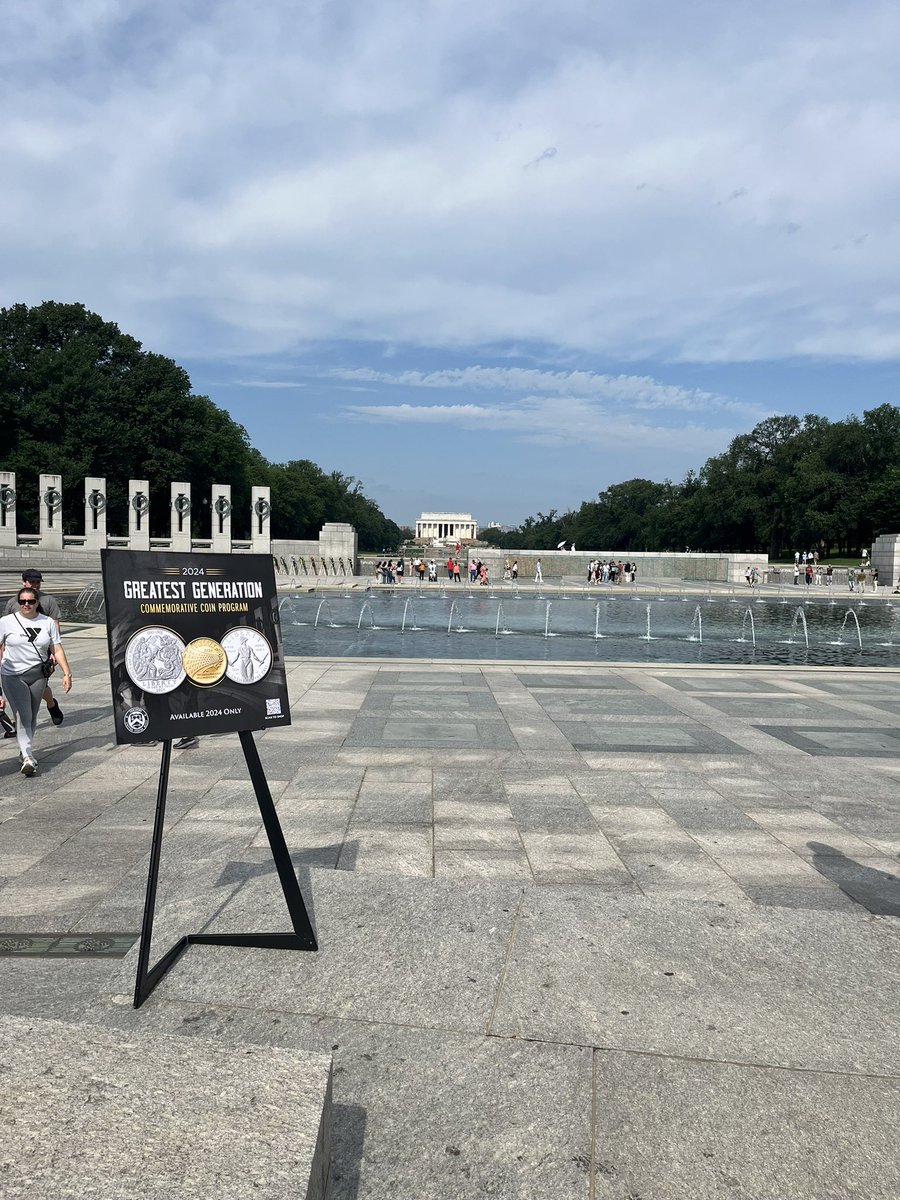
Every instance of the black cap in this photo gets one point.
(32, 576)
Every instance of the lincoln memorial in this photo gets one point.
(446, 526)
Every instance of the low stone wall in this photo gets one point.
(337, 542)
(333, 553)
(563, 564)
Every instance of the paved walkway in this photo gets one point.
(585, 932)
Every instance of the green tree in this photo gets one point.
(492, 536)
(304, 497)
(78, 397)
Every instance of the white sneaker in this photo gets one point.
(29, 767)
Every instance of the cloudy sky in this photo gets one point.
(481, 256)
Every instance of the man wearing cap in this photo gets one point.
(50, 608)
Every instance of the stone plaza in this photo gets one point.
(610, 932)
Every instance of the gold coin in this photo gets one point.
(204, 661)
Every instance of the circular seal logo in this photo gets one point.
(204, 661)
(136, 720)
(249, 655)
(153, 659)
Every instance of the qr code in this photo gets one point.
(273, 708)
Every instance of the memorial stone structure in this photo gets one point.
(180, 505)
(7, 509)
(50, 510)
(885, 557)
(138, 514)
(94, 513)
(52, 547)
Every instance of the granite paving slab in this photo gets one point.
(567, 706)
(413, 702)
(826, 897)
(863, 685)
(475, 825)
(402, 732)
(87, 1113)
(580, 858)
(721, 682)
(422, 1113)
(490, 862)
(600, 680)
(741, 1131)
(406, 804)
(432, 679)
(427, 953)
(821, 740)
(670, 738)
(770, 708)
(677, 871)
(798, 828)
(791, 988)
(406, 850)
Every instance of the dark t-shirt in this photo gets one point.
(48, 605)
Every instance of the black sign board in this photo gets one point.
(194, 644)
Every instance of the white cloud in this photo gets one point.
(636, 391)
(560, 421)
(231, 178)
(288, 385)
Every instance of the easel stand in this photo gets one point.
(303, 937)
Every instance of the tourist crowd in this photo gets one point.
(611, 572)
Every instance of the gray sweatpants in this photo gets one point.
(23, 695)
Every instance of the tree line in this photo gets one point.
(79, 397)
(792, 483)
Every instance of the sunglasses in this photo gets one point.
(28, 601)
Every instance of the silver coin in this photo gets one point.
(153, 659)
(249, 655)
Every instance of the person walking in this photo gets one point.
(29, 644)
(49, 606)
(538, 575)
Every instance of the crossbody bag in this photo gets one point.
(47, 667)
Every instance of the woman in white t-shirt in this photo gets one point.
(27, 640)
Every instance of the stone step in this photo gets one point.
(93, 1112)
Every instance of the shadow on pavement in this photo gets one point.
(876, 890)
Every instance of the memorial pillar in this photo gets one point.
(94, 513)
(138, 514)
(50, 509)
(180, 525)
(8, 508)
(220, 510)
(260, 526)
